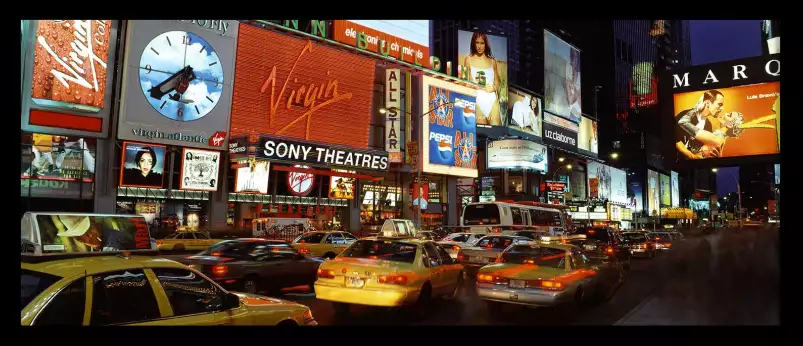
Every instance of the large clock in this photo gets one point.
(181, 75)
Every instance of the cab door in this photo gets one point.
(437, 271)
(339, 242)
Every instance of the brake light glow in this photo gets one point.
(499, 260)
(304, 251)
(529, 262)
(456, 248)
(591, 231)
(392, 279)
(551, 285)
(159, 242)
(668, 245)
(491, 279)
(220, 270)
(326, 273)
(461, 256)
(216, 254)
(609, 250)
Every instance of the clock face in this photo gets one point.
(181, 75)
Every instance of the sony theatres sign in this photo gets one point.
(732, 73)
(291, 151)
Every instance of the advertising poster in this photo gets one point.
(52, 157)
(143, 165)
(737, 121)
(81, 233)
(643, 86)
(560, 137)
(65, 69)
(199, 169)
(587, 139)
(300, 183)
(666, 190)
(578, 185)
(178, 82)
(653, 193)
(341, 187)
(451, 141)
(406, 40)
(517, 153)
(593, 187)
(561, 78)
(253, 179)
(484, 58)
(420, 195)
(393, 118)
(675, 185)
(556, 191)
(618, 186)
(304, 91)
(526, 114)
(604, 177)
(638, 193)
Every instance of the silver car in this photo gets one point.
(487, 249)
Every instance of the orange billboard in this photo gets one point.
(728, 122)
(69, 62)
(290, 87)
(347, 32)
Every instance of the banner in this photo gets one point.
(253, 179)
(49, 157)
(199, 169)
(516, 153)
(526, 114)
(666, 190)
(291, 151)
(587, 138)
(393, 118)
(561, 78)
(593, 187)
(675, 189)
(484, 58)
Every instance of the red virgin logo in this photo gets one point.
(217, 139)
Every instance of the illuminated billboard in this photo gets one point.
(675, 189)
(653, 193)
(611, 182)
(485, 59)
(728, 122)
(517, 153)
(406, 40)
(525, 112)
(587, 139)
(777, 173)
(66, 80)
(199, 170)
(142, 165)
(643, 86)
(666, 190)
(304, 91)
(450, 145)
(253, 179)
(561, 78)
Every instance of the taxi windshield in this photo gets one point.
(542, 256)
(495, 242)
(33, 283)
(389, 250)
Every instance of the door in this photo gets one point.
(451, 270)
(438, 279)
(124, 297)
(192, 299)
(66, 308)
(339, 242)
(274, 262)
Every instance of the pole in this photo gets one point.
(739, 191)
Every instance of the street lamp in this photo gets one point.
(738, 191)
(614, 156)
(560, 159)
(554, 175)
(420, 159)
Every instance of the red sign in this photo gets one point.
(300, 183)
(348, 32)
(217, 139)
(291, 87)
(555, 186)
(420, 194)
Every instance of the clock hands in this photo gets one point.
(179, 82)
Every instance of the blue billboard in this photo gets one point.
(452, 131)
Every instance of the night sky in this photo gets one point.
(722, 40)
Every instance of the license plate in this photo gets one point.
(516, 283)
(589, 247)
(481, 259)
(354, 282)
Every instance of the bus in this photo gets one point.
(506, 217)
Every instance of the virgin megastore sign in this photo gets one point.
(292, 151)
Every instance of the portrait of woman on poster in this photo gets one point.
(573, 83)
(483, 70)
(143, 174)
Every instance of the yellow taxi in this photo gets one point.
(186, 240)
(547, 273)
(120, 289)
(326, 244)
(78, 269)
(388, 272)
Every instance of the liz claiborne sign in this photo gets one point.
(275, 149)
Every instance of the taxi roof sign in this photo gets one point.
(58, 233)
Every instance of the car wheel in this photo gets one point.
(580, 298)
(287, 323)
(341, 308)
(250, 285)
(422, 306)
(178, 247)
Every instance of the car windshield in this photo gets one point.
(389, 250)
(495, 242)
(595, 233)
(457, 237)
(530, 254)
(33, 283)
(310, 238)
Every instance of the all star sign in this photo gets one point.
(392, 122)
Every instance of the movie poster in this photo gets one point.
(653, 193)
(142, 165)
(199, 169)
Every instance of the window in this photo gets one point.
(481, 214)
(495, 242)
(388, 250)
(596, 234)
(202, 236)
(432, 254)
(538, 218)
(231, 248)
(32, 284)
(458, 238)
(329, 239)
(541, 256)
(273, 251)
(554, 219)
(188, 292)
(66, 308)
(336, 238)
(517, 217)
(349, 237)
(445, 257)
(122, 297)
(310, 238)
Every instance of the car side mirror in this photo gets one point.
(231, 301)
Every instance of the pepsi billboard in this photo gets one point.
(450, 128)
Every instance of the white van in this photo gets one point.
(57, 232)
(508, 217)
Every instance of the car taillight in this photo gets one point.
(460, 256)
(326, 273)
(456, 248)
(158, 242)
(392, 279)
(491, 279)
(609, 250)
(668, 245)
(551, 285)
(304, 251)
(220, 270)
(216, 254)
(529, 262)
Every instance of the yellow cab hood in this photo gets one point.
(261, 310)
(522, 271)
